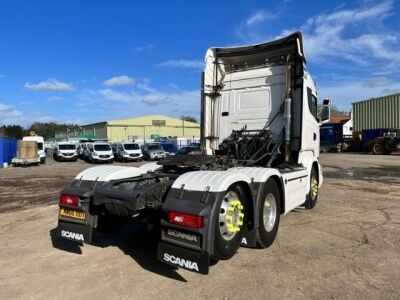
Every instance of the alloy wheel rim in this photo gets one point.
(230, 216)
(314, 187)
(269, 212)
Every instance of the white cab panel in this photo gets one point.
(295, 188)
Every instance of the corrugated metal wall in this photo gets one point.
(136, 128)
(382, 112)
(8, 149)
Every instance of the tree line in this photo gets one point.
(46, 130)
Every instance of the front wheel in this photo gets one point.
(229, 223)
(312, 196)
(269, 215)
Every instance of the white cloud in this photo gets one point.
(258, 17)
(345, 93)
(183, 63)
(379, 81)
(142, 99)
(50, 84)
(154, 99)
(9, 115)
(145, 48)
(54, 98)
(112, 95)
(119, 80)
(355, 35)
(250, 29)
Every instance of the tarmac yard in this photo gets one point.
(348, 247)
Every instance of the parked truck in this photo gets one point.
(260, 143)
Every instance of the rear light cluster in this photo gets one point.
(69, 200)
(184, 219)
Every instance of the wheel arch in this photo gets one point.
(249, 203)
(309, 164)
(279, 182)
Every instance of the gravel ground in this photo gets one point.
(346, 248)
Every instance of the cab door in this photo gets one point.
(310, 129)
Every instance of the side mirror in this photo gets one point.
(325, 113)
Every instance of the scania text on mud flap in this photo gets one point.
(260, 145)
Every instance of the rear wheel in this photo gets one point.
(229, 224)
(378, 149)
(312, 196)
(269, 215)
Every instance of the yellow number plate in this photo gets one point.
(70, 213)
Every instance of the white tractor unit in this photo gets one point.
(260, 144)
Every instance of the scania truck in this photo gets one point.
(260, 143)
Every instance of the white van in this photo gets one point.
(65, 151)
(40, 145)
(128, 151)
(100, 152)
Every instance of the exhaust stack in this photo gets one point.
(288, 111)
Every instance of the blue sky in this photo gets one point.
(88, 61)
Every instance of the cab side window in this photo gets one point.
(312, 103)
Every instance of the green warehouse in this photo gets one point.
(140, 128)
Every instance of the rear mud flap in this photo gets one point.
(75, 232)
(184, 258)
(249, 239)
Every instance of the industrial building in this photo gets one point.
(377, 113)
(140, 128)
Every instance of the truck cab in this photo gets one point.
(259, 161)
(40, 145)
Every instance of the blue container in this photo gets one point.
(331, 133)
(370, 134)
(8, 150)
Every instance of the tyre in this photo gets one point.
(312, 196)
(378, 149)
(268, 215)
(229, 223)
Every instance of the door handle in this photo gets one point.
(315, 136)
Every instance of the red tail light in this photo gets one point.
(187, 220)
(69, 200)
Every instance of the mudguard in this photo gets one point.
(201, 193)
(108, 173)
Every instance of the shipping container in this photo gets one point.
(8, 150)
(377, 113)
